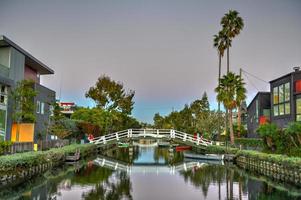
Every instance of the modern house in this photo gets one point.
(17, 64)
(280, 106)
(258, 112)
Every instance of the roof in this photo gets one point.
(29, 59)
(289, 74)
(258, 93)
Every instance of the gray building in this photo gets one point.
(258, 109)
(17, 64)
(281, 105)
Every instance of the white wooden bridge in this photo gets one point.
(146, 168)
(168, 134)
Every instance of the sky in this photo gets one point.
(162, 49)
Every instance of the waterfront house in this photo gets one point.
(17, 64)
(280, 106)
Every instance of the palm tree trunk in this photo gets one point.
(238, 120)
(228, 62)
(219, 80)
(231, 127)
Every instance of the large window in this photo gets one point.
(281, 100)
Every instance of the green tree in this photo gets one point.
(110, 95)
(23, 104)
(232, 25)
(220, 43)
(158, 121)
(227, 93)
(240, 97)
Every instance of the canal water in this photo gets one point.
(148, 172)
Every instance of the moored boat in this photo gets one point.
(123, 145)
(183, 148)
(204, 156)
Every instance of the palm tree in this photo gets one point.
(240, 97)
(232, 24)
(227, 93)
(219, 42)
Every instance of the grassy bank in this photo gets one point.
(274, 158)
(21, 161)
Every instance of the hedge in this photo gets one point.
(221, 149)
(274, 158)
(251, 142)
(20, 161)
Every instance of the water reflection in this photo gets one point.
(142, 172)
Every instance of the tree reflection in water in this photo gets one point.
(116, 187)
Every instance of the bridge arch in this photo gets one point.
(169, 134)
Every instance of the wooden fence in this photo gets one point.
(276, 171)
(18, 147)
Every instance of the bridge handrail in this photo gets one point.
(158, 133)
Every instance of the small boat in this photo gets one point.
(123, 145)
(204, 156)
(73, 158)
(183, 148)
(163, 144)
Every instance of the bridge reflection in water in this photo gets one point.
(148, 166)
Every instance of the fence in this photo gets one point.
(44, 145)
(18, 147)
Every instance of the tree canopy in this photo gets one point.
(111, 95)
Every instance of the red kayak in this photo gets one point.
(183, 148)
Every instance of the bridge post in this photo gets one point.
(157, 132)
(144, 132)
(128, 133)
(198, 139)
(117, 136)
(131, 133)
(185, 136)
(104, 139)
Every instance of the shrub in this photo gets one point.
(293, 131)
(20, 161)
(4, 146)
(269, 133)
(251, 142)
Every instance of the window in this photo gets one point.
(281, 100)
(298, 109)
(51, 110)
(3, 95)
(257, 111)
(42, 107)
(38, 106)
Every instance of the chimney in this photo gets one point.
(296, 69)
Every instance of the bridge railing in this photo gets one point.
(155, 133)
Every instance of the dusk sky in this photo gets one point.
(162, 49)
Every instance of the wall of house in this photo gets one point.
(251, 122)
(17, 62)
(31, 74)
(47, 97)
(263, 103)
